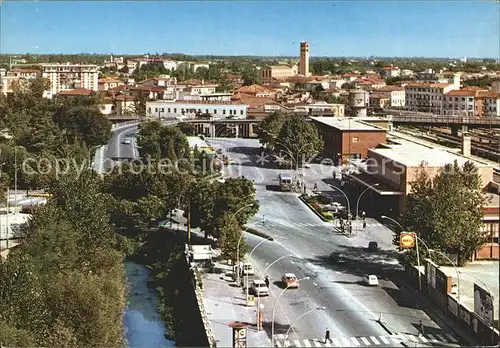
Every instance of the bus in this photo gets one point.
(285, 182)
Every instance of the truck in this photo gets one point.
(285, 182)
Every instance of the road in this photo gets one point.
(352, 310)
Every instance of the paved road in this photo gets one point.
(352, 309)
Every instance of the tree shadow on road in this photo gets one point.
(278, 327)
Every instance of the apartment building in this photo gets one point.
(464, 102)
(491, 104)
(108, 82)
(391, 71)
(269, 73)
(427, 97)
(192, 108)
(379, 100)
(25, 73)
(63, 77)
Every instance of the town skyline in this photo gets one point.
(333, 29)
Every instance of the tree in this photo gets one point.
(447, 212)
(299, 139)
(230, 233)
(270, 128)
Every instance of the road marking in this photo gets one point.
(374, 339)
(336, 342)
(346, 342)
(297, 343)
(397, 338)
(355, 341)
(291, 261)
(315, 284)
(423, 339)
(433, 338)
(451, 337)
(307, 343)
(385, 340)
(365, 341)
(412, 338)
(441, 338)
(317, 343)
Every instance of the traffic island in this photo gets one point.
(315, 205)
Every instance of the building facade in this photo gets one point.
(463, 102)
(346, 139)
(427, 97)
(269, 73)
(64, 77)
(191, 109)
(396, 95)
(491, 104)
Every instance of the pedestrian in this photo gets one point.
(267, 281)
(315, 187)
(327, 336)
(364, 224)
(363, 214)
(421, 324)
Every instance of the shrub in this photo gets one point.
(327, 215)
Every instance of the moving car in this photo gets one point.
(259, 288)
(290, 280)
(372, 246)
(371, 280)
(338, 258)
(127, 142)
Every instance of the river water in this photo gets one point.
(143, 324)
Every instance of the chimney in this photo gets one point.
(466, 144)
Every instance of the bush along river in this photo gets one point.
(143, 324)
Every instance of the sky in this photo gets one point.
(262, 28)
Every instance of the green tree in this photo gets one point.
(270, 129)
(230, 233)
(299, 139)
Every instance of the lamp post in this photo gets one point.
(301, 316)
(239, 241)
(249, 257)
(456, 270)
(274, 307)
(417, 238)
(348, 205)
(359, 198)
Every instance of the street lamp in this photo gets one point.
(276, 302)
(348, 205)
(417, 238)
(456, 270)
(239, 241)
(359, 198)
(249, 257)
(301, 316)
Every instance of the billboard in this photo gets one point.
(483, 304)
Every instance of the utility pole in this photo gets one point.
(189, 222)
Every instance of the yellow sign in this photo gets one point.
(407, 240)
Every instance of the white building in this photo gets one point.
(64, 77)
(460, 103)
(395, 94)
(427, 97)
(183, 108)
(391, 71)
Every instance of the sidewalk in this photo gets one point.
(225, 303)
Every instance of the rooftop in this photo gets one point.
(197, 102)
(77, 91)
(413, 154)
(346, 123)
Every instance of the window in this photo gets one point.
(355, 139)
(169, 110)
(223, 112)
(175, 110)
(162, 110)
(149, 110)
(241, 112)
(215, 111)
(156, 109)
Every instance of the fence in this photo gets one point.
(436, 286)
(198, 290)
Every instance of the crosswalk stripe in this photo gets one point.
(374, 340)
(396, 339)
(385, 340)
(317, 343)
(412, 338)
(433, 339)
(365, 341)
(297, 343)
(307, 343)
(346, 341)
(451, 337)
(336, 342)
(441, 338)
(423, 339)
(355, 341)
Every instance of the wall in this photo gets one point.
(464, 318)
(367, 140)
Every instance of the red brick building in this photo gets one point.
(348, 138)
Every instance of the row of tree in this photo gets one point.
(446, 211)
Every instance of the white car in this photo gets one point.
(259, 288)
(127, 142)
(371, 280)
(307, 165)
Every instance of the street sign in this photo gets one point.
(407, 240)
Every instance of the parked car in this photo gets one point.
(290, 280)
(246, 267)
(373, 246)
(259, 288)
(338, 258)
(371, 280)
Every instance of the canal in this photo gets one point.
(143, 324)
